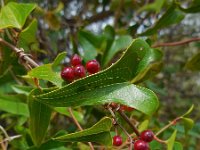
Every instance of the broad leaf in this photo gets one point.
(11, 15)
(120, 43)
(46, 72)
(171, 140)
(171, 16)
(193, 63)
(98, 133)
(90, 43)
(108, 85)
(155, 6)
(13, 105)
(28, 36)
(39, 118)
(187, 123)
(178, 146)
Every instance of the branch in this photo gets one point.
(177, 43)
(22, 56)
(78, 125)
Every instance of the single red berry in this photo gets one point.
(147, 136)
(92, 66)
(67, 74)
(141, 145)
(79, 71)
(76, 60)
(117, 140)
(126, 108)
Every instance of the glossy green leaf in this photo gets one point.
(46, 72)
(120, 43)
(28, 36)
(13, 104)
(178, 146)
(193, 63)
(171, 140)
(187, 123)
(189, 111)
(171, 16)
(11, 15)
(109, 34)
(110, 84)
(90, 43)
(98, 133)
(155, 6)
(39, 118)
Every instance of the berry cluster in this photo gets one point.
(77, 70)
(141, 144)
(145, 137)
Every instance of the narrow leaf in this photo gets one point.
(39, 118)
(97, 133)
(189, 111)
(171, 140)
(11, 15)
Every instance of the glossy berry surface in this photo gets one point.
(68, 74)
(117, 140)
(76, 60)
(141, 145)
(92, 66)
(147, 136)
(79, 71)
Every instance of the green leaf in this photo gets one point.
(171, 140)
(28, 36)
(109, 34)
(189, 111)
(90, 43)
(13, 104)
(98, 133)
(11, 15)
(19, 89)
(39, 118)
(155, 6)
(178, 146)
(194, 8)
(188, 124)
(193, 63)
(171, 16)
(110, 84)
(120, 43)
(143, 125)
(46, 72)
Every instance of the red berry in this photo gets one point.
(126, 108)
(68, 74)
(117, 140)
(141, 145)
(76, 60)
(147, 136)
(92, 66)
(79, 71)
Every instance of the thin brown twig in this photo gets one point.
(78, 125)
(176, 43)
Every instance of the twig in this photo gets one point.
(130, 138)
(78, 125)
(168, 125)
(176, 43)
(123, 115)
(22, 56)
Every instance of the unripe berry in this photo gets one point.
(79, 71)
(147, 136)
(92, 66)
(67, 74)
(75, 60)
(117, 140)
(141, 145)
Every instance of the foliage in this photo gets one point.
(36, 103)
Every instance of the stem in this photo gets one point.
(124, 116)
(20, 53)
(130, 138)
(159, 140)
(168, 125)
(78, 125)
(176, 43)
